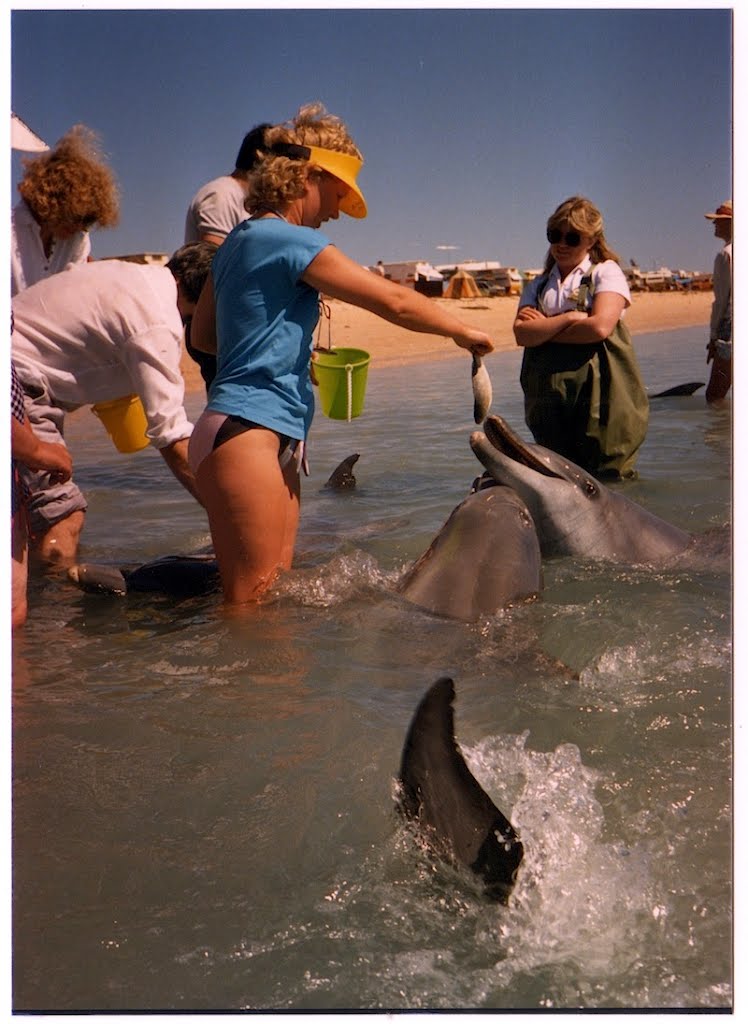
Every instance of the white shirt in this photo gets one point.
(722, 285)
(102, 331)
(28, 262)
(561, 296)
(216, 209)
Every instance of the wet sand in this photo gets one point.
(388, 345)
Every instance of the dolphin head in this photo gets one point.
(556, 491)
(574, 513)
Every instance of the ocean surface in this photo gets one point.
(203, 805)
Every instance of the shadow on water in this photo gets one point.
(203, 812)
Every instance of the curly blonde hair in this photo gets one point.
(278, 180)
(71, 184)
(582, 215)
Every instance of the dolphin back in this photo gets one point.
(176, 575)
(680, 390)
(342, 478)
(485, 557)
(458, 819)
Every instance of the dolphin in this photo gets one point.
(437, 791)
(574, 513)
(485, 557)
(175, 575)
(680, 390)
(342, 478)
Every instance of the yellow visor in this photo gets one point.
(345, 167)
(341, 165)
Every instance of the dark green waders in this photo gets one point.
(587, 402)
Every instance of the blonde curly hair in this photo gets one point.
(71, 184)
(278, 180)
(582, 215)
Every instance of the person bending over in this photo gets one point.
(99, 332)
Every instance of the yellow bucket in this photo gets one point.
(341, 375)
(124, 419)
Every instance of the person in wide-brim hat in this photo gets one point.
(719, 347)
(723, 210)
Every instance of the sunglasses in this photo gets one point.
(570, 238)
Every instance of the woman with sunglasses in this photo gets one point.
(584, 396)
(258, 312)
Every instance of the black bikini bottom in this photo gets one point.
(232, 426)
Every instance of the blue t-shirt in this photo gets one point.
(265, 320)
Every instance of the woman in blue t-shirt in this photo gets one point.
(258, 312)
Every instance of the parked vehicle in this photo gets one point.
(417, 274)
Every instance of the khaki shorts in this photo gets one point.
(48, 503)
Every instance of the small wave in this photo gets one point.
(344, 578)
(579, 899)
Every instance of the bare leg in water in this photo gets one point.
(253, 508)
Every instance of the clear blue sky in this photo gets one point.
(474, 123)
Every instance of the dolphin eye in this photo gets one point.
(591, 488)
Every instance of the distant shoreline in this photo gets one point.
(388, 345)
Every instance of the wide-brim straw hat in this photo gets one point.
(722, 211)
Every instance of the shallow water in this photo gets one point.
(203, 806)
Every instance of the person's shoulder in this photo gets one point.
(608, 270)
(310, 236)
(214, 183)
(291, 234)
(608, 276)
(21, 214)
(113, 268)
(222, 183)
(530, 288)
(125, 278)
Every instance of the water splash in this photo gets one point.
(344, 578)
(580, 896)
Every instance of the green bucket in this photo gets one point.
(341, 376)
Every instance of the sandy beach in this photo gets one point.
(349, 326)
